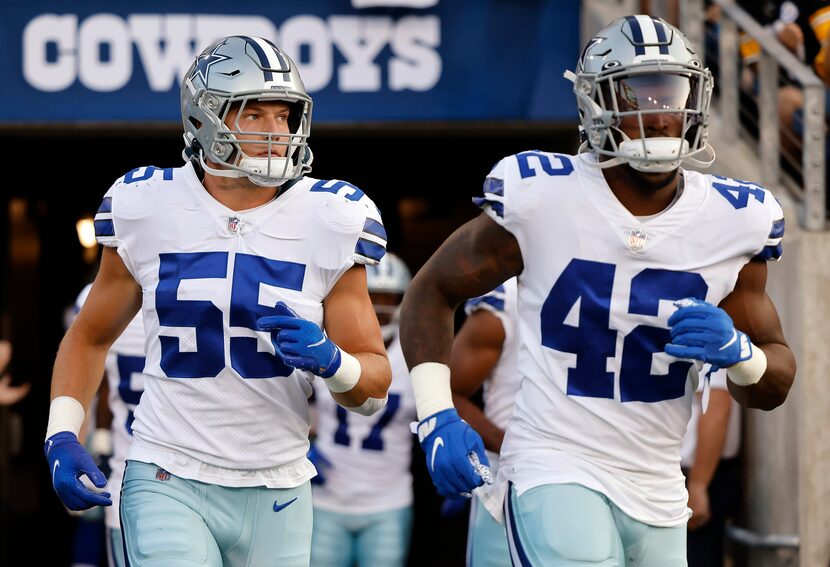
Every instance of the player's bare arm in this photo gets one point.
(476, 258)
(113, 301)
(475, 353)
(351, 323)
(753, 312)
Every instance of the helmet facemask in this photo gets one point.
(286, 151)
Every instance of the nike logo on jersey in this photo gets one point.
(54, 470)
(439, 442)
(278, 507)
(425, 429)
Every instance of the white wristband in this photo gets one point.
(431, 386)
(749, 371)
(65, 414)
(347, 376)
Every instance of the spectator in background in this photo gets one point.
(803, 27)
(9, 394)
(362, 493)
(484, 354)
(709, 460)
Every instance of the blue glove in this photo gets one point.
(455, 454)
(300, 343)
(701, 331)
(68, 461)
(320, 463)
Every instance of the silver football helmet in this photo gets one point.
(391, 276)
(228, 75)
(636, 67)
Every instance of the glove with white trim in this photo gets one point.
(702, 331)
(455, 454)
(301, 343)
(68, 462)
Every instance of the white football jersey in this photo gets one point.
(369, 455)
(124, 365)
(601, 404)
(218, 405)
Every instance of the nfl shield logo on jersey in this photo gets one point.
(636, 239)
(233, 224)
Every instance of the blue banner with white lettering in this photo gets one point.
(361, 60)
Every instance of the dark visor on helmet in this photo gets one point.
(654, 92)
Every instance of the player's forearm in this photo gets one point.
(78, 368)
(772, 389)
(427, 319)
(374, 382)
(491, 434)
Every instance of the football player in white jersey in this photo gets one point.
(363, 490)
(484, 355)
(634, 276)
(250, 278)
(123, 388)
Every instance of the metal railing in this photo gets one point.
(773, 54)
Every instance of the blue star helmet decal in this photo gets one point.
(204, 62)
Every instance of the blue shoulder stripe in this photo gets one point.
(777, 229)
(375, 228)
(492, 301)
(484, 202)
(769, 253)
(369, 249)
(104, 228)
(494, 186)
(106, 205)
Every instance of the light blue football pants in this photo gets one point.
(486, 539)
(558, 525)
(173, 522)
(367, 540)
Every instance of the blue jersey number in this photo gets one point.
(588, 334)
(564, 167)
(373, 441)
(738, 195)
(127, 366)
(206, 356)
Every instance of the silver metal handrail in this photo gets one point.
(758, 541)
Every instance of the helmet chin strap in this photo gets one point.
(260, 180)
(660, 154)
